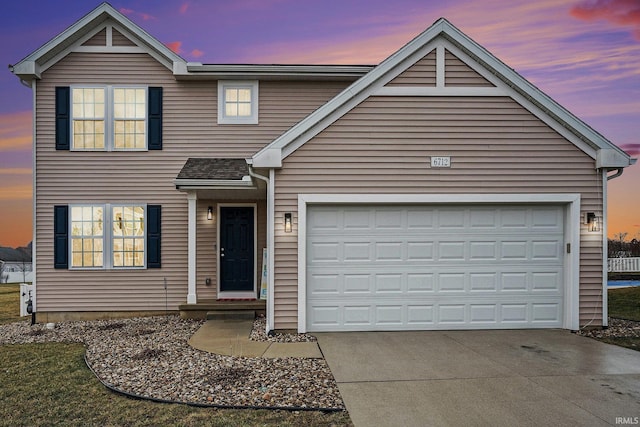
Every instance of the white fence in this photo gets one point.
(623, 265)
(17, 277)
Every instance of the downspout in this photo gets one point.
(270, 246)
(615, 175)
(34, 244)
(605, 245)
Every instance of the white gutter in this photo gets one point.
(270, 244)
(214, 184)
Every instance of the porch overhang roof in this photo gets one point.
(214, 174)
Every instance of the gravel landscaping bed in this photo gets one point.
(150, 357)
(618, 328)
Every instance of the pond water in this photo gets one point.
(622, 283)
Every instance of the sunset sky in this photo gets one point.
(585, 54)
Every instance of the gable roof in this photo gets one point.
(607, 154)
(32, 66)
(71, 39)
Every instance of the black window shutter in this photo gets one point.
(60, 236)
(63, 118)
(154, 221)
(155, 118)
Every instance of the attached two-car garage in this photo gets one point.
(433, 266)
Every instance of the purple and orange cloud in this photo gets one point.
(15, 131)
(184, 7)
(624, 13)
(142, 15)
(175, 46)
(632, 149)
(197, 53)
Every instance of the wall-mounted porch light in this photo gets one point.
(593, 222)
(210, 213)
(287, 222)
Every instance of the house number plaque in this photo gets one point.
(441, 162)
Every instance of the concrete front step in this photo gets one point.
(231, 315)
(200, 310)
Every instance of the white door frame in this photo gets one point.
(254, 293)
(571, 234)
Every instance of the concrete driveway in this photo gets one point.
(488, 378)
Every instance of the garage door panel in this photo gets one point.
(510, 249)
(434, 267)
(373, 315)
(455, 280)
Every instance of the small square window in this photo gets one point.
(238, 102)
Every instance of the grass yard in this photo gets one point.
(9, 303)
(49, 384)
(624, 303)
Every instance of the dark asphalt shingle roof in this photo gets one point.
(214, 169)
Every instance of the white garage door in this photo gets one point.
(434, 267)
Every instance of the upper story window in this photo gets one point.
(88, 118)
(109, 118)
(238, 102)
(129, 118)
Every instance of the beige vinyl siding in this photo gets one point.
(190, 130)
(207, 245)
(457, 73)
(100, 39)
(422, 73)
(117, 39)
(383, 146)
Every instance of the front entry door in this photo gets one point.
(237, 250)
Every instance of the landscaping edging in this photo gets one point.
(149, 358)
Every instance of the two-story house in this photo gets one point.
(436, 190)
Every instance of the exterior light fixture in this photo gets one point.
(287, 222)
(210, 213)
(593, 222)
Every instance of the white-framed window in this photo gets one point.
(128, 236)
(108, 118)
(238, 102)
(87, 236)
(107, 236)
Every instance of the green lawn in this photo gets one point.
(624, 303)
(9, 303)
(49, 384)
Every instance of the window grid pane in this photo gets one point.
(237, 102)
(88, 109)
(87, 236)
(129, 114)
(128, 236)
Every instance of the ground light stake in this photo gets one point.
(166, 307)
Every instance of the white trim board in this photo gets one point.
(572, 233)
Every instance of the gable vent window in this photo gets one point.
(237, 102)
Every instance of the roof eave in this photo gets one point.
(214, 184)
(195, 70)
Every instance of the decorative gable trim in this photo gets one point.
(70, 40)
(439, 36)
